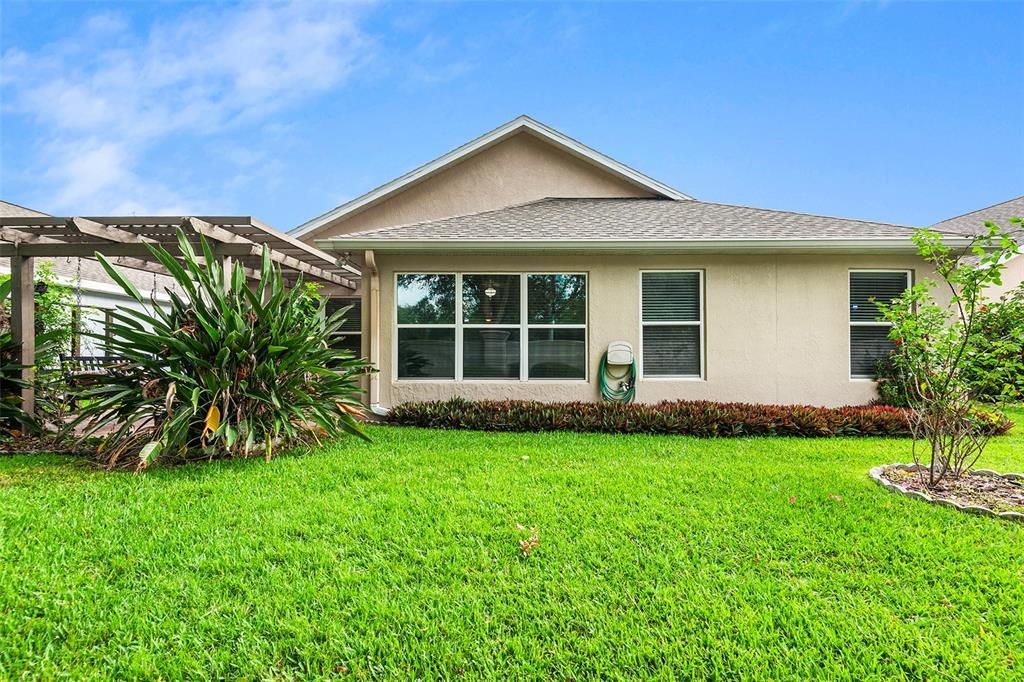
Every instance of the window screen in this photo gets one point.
(349, 336)
(672, 327)
(869, 333)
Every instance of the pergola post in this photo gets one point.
(227, 264)
(23, 323)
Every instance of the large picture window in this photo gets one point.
(491, 326)
(426, 326)
(491, 320)
(671, 314)
(869, 334)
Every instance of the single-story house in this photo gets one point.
(999, 214)
(505, 268)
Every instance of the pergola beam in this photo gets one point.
(126, 240)
(111, 234)
(228, 239)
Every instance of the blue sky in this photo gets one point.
(904, 112)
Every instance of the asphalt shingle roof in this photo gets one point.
(634, 219)
(974, 222)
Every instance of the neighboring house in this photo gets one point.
(99, 294)
(974, 223)
(504, 269)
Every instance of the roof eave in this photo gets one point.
(630, 246)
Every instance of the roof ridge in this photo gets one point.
(977, 210)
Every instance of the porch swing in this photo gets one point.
(81, 370)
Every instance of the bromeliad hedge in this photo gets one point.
(691, 418)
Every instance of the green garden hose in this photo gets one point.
(624, 391)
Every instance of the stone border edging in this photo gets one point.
(876, 474)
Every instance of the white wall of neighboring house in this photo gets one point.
(98, 297)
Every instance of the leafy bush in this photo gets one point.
(12, 417)
(692, 418)
(997, 372)
(225, 371)
(890, 384)
(54, 319)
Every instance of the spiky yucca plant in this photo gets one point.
(224, 371)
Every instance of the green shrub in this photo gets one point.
(691, 418)
(12, 418)
(221, 372)
(998, 373)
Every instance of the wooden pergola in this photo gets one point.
(125, 240)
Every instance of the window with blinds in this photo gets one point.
(869, 333)
(350, 335)
(672, 324)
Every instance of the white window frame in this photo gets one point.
(397, 326)
(527, 326)
(524, 328)
(700, 324)
(850, 324)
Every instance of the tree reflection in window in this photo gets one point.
(557, 299)
(426, 299)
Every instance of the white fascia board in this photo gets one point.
(626, 246)
(481, 143)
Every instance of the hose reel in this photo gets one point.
(617, 374)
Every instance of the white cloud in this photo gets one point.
(105, 98)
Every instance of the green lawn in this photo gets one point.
(660, 556)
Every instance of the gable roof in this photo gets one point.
(12, 210)
(522, 124)
(630, 225)
(974, 222)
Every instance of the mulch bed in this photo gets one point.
(33, 445)
(977, 489)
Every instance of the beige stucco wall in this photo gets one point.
(519, 169)
(1013, 277)
(776, 327)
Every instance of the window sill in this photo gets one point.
(490, 381)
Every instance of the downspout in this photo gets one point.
(374, 314)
